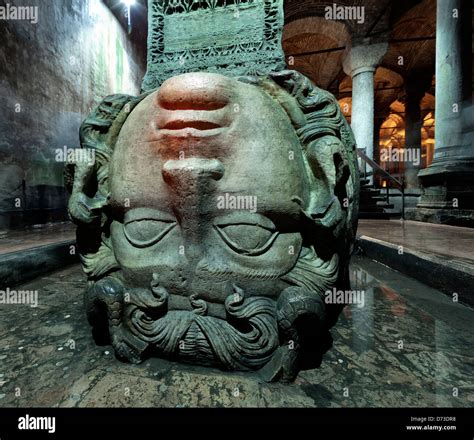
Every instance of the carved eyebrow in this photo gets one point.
(245, 218)
(148, 214)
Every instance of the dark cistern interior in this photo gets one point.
(254, 203)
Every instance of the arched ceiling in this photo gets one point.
(311, 47)
(376, 14)
(315, 45)
(413, 39)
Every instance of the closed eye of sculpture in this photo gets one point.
(146, 232)
(247, 239)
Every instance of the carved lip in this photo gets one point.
(191, 122)
(187, 132)
(191, 127)
(180, 124)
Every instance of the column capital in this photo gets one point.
(364, 58)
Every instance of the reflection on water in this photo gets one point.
(409, 345)
(362, 317)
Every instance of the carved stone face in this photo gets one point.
(217, 215)
(205, 180)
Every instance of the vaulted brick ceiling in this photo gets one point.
(316, 45)
(376, 20)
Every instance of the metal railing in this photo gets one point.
(377, 169)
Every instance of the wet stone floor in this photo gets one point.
(408, 346)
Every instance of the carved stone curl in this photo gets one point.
(218, 213)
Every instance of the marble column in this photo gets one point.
(379, 119)
(360, 63)
(416, 85)
(448, 184)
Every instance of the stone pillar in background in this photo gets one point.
(360, 63)
(448, 183)
(379, 119)
(415, 86)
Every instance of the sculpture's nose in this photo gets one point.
(195, 91)
(191, 184)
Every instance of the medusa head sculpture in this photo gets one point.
(217, 214)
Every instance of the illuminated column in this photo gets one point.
(448, 182)
(379, 119)
(415, 86)
(360, 63)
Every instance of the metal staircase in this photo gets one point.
(375, 202)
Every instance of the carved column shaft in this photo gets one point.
(415, 86)
(360, 63)
(362, 119)
(448, 184)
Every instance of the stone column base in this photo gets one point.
(448, 194)
(451, 216)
